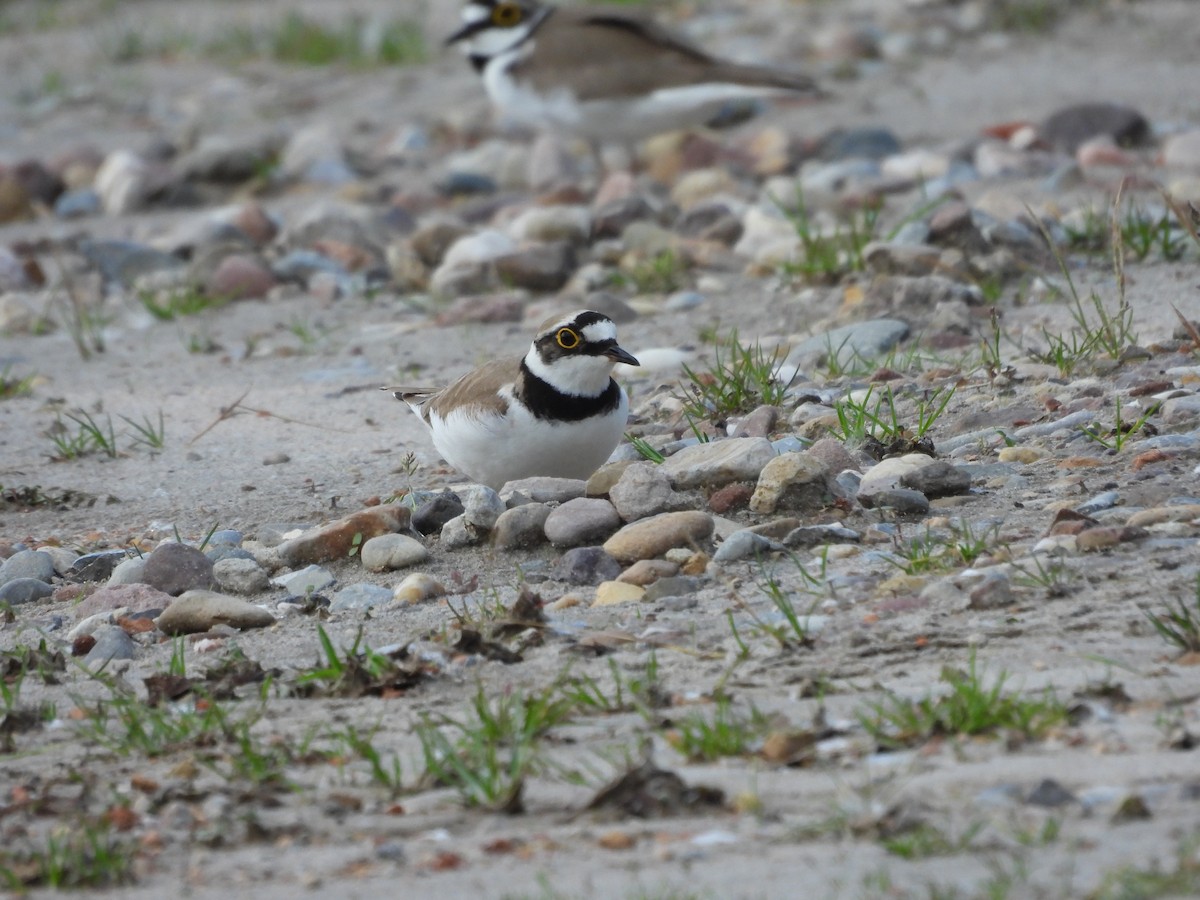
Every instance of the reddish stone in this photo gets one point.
(334, 541)
(241, 277)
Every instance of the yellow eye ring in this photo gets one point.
(506, 15)
(567, 339)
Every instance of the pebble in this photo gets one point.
(240, 576)
(1068, 128)
(434, 513)
(174, 568)
(718, 463)
(643, 490)
(417, 587)
(129, 571)
(24, 590)
(903, 501)
(132, 597)
(359, 596)
(111, 643)
(482, 506)
(744, 544)
(583, 520)
(310, 579)
(196, 612)
(1023, 455)
(91, 623)
(887, 473)
(648, 571)
(521, 527)
(796, 482)
(584, 566)
(543, 489)
(335, 541)
(457, 533)
(612, 593)
(648, 538)
(392, 551)
(1049, 793)
(939, 479)
(27, 564)
(672, 586)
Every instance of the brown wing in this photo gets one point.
(625, 54)
(476, 391)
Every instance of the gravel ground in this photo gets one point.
(725, 702)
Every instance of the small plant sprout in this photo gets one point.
(1180, 623)
(727, 733)
(969, 708)
(644, 449)
(147, 433)
(1115, 438)
(12, 386)
(740, 379)
(88, 436)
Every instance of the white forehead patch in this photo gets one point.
(472, 13)
(600, 331)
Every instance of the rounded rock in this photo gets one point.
(111, 643)
(195, 612)
(392, 551)
(521, 527)
(310, 579)
(129, 571)
(241, 576)
(359, 596)
(482, 506)
(644, 490)
(27, 564)
(581, 521)
(175, 568)
(611, 593)
(24, 590)
(417, 587)
(793, 481)
(585, 565)
(133, 597)
(430, 516)
(649, 538)
(718, 463)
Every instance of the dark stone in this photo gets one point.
(541, 267)
(859, 143)
(1071, 126)
(613, 218)
(174, 568)
(24, 590)
(430, 516)
(938, 479)
(97, 566)
(904, 501)
(1050, 794)
(585, 566)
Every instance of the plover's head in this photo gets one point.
(576, 353)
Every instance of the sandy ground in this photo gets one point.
(813, 830)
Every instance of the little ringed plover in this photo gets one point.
(556, 411)
(603, 72)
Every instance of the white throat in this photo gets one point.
(580, 376)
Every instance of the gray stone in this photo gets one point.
(542, 267)
(521, 527)
(458, 533)
(939, 479)
(97, 566)
(543, 489)
(648, 538)
(62, 558)
(644, 489)
(111, 643)
(125, 262)
(744, 544)
(24, 590)
(814, 535)
(129, 571)
(27, 564)
(481, 506)
(580, 521)
(174, 568)
(430, 516)
(1050, 793)
(862, 340)
(585, 566)
(241, 576)
(718, 463)
(1067, 128)
(392, 551)
(195, 612)
(132, 597)
(902, 500)
(887, 473)
(360, 596)
(301, 582)
(673, 586)
(795, 482)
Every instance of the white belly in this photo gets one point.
(494, 449)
